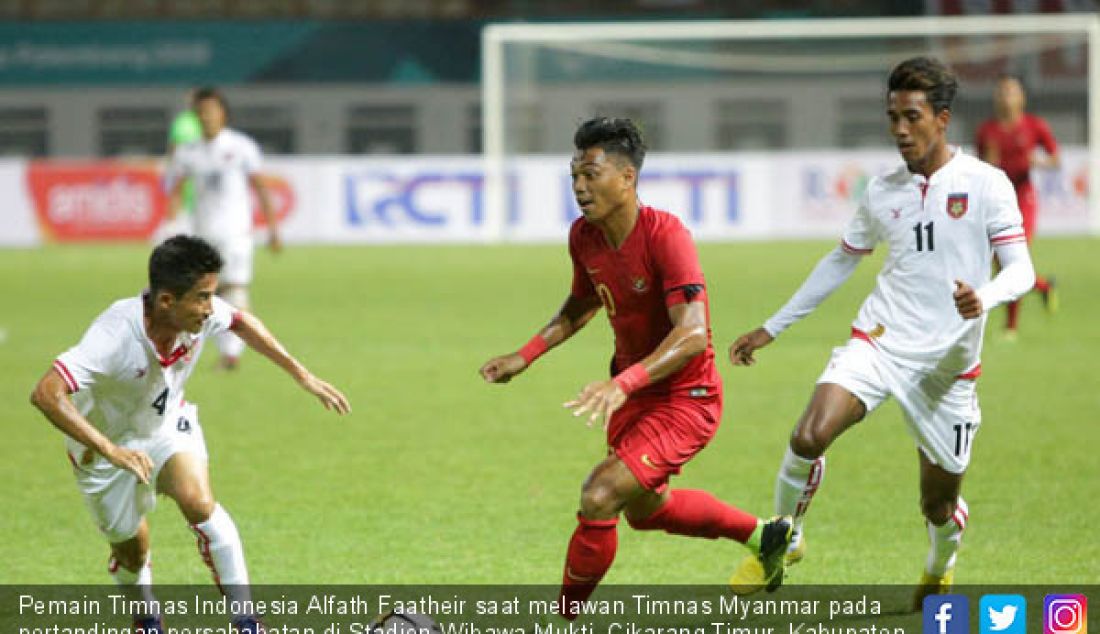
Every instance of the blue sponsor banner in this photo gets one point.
(389, 199)
(660, 187)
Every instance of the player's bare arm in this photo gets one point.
(573, 315)
(830, 273)
(741, 350)
(51, 397)
(686, 339)
(274, 242)
(253, 332)
(1040, 160)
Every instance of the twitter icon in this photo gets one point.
(1003, 614)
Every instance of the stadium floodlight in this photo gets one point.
(539, 79)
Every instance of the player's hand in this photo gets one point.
(136, 462)
(330, 397)
(967, 301)
(742, 349)
(600, 398)
(274, 242)
(501, 369)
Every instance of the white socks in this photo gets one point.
(946, 540)
(135, 586)
(795, 485)
(221, 550)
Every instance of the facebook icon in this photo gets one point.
(946, 614)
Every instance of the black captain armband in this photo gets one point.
(684, 294)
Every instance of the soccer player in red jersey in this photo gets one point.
(1009, 140)
(663, 402)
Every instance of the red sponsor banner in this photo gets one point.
(108, 200)
(99, 200)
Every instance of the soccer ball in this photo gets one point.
(394, 623)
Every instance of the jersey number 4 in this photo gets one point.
(160, 402)
(921, 231)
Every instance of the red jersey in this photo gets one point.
(1011, 145)
(655, 268)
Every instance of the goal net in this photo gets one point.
(769, 129)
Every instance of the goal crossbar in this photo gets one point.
(495, 37)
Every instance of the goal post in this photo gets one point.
(540, 79)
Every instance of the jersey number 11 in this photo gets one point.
(922, 231)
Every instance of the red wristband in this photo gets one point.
(533, 349)
(632, 379)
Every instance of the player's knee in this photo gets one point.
(600, 501)
(196, 504)
(808, 441)
(937, 510)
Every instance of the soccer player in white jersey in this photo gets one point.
(222, 165)
(118, 398)
(918, 336)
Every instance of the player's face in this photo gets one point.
(1008, 97)
(211, 116)
(190, 310)
(917, 131)
(601, 183)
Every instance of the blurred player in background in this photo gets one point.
(1009, 141)
(222, 165)
(118, 396)
(918, 336)
(663, 403)
(185, 128)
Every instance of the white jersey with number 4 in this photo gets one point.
(938, 230)
(220, 169)
(118, 380)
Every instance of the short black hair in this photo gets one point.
(210, 92)
(177, 264)
(928, 75)
(613, 136)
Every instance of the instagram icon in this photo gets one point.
(1065, 614)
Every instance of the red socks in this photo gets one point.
(699, 514)
(1042, 285)
(687, 512)
(1013, 310)
(591, 551)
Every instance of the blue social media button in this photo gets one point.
(946, 614)
(1003, 614)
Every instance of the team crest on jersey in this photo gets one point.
(640, 285)
(956, 205)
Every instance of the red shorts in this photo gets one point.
(655, 436)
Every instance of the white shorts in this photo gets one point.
(115, 498)
(237, 254)
(941, 410)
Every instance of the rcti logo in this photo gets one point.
(1065, 614)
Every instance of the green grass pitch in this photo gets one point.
(439, 478)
